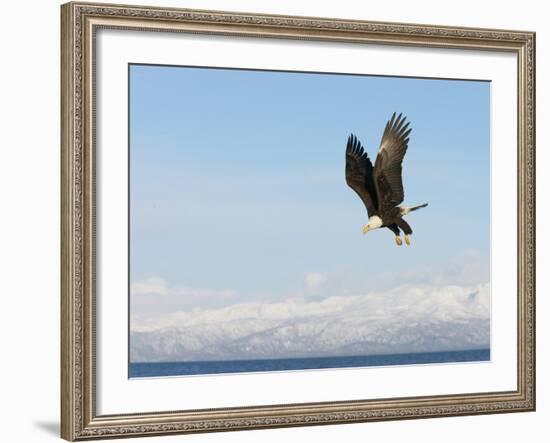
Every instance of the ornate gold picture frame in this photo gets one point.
(80, 24)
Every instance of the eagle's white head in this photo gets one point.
(375, 222)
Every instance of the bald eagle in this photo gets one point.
(381, 187)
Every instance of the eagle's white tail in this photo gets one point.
(405, 210)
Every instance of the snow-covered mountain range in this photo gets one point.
(405, 319)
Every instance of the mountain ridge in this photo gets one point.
(406, 319)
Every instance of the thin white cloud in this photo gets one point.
(468, 269)
(155, 286)
(314, 280)
(149, 286)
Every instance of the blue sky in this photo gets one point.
(237, 182)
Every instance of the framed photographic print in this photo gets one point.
(283, 221)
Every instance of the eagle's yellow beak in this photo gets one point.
(365, 229)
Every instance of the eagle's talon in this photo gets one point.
(407, 240)
(398, 241)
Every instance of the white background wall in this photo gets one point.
(29, 218)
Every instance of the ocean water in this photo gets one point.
(165, 369)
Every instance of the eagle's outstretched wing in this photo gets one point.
(387, 168)
(359, 174)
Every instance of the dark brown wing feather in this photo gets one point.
(359, 174)
(388, 165)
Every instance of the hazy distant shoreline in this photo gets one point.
(165, 369)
